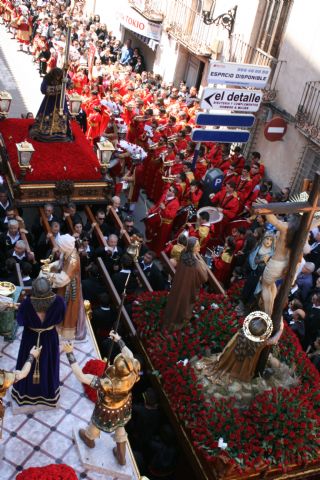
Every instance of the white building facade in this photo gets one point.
(178, 44)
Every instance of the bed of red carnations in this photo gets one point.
(279, 430)
(49, 472)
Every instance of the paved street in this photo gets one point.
(19, 76)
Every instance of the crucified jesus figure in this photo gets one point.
(277, 265)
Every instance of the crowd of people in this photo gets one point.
(150, 123)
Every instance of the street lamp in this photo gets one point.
(225, 19)
(75, 101)
(25, 152)
(5, 102)
(104, 153)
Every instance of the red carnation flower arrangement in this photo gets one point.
(281, 428)
(49, 472)
(94, 367)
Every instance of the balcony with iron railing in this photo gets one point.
(242, 52)
(307, 118)
(187, 26)
(151, 9)
(181, 22)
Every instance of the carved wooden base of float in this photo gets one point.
(59, 172)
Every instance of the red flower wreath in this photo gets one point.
(95, 367)
(49, 472)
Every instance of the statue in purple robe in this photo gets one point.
(39, 314)
(50, 124)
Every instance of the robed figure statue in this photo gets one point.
(190, 275)
(39, 314)
(239, 358)
(51, 124)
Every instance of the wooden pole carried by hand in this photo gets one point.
(117, 322)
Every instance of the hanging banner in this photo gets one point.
(132, 20)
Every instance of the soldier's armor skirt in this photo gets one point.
(109, 419)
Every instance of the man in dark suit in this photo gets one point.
(103, 318)
(5, 203)
(37, 227)
(314, 253)
(312, 322)
(110, 254)
(120, 278)
(93, 285)
(100, 220)
(151, 271)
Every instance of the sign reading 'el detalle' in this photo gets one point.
(231, 99)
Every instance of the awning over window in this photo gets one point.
(147, 41)
(135, 22)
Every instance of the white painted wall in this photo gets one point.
(166, 57)
(300, 50)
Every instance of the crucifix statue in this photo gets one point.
(275, 301)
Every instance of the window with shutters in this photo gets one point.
(273, 25)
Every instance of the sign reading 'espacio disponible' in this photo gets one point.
(243, 74)
(231, 99)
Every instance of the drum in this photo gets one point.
(215, 215)
(184, 215)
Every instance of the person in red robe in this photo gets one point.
(228, 203)
(24, 28)
(244, 185)
(203, 232)
(158, 184)
(153, 165)
(79, 80)
(256, 158)
(170, 128)
(261, 192)
(230, 176)
(222, 264)
(158, 234)
(201, 166)
(94, 121)
(255, 174)
(237, 159)
(215, 153)
(193, 194)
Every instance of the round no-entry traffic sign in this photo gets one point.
(275, 129)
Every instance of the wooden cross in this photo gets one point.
(308, 208)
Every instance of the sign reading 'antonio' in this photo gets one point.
(243, 74)
(231, 99)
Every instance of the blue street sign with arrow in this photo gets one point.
(220, 136)
(225, 120)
